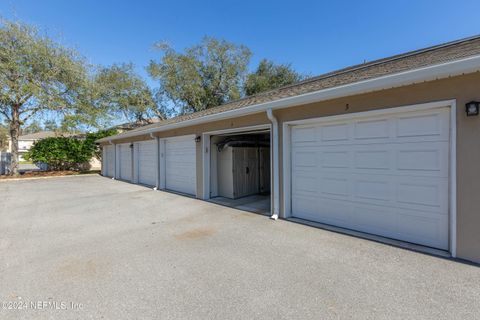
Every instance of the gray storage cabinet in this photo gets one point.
(243, 171)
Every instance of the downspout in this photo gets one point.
(275, 150)
(114, 159)
(157, 163)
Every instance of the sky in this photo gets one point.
(314, 36)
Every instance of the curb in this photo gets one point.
(50, 177)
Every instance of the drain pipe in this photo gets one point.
(156, 161)
(275, 171)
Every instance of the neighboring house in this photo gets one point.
(25, 142)
(383, 148)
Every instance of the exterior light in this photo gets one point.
(472, 108)
(198, 139)
(131, 145)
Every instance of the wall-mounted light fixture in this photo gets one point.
(198, 139)
(472, 108)
(131, 145)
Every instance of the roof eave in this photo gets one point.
(429, 73)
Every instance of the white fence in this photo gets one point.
(5, 160)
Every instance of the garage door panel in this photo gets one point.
(304, 134)
(423, 227)
(305, 184)
(335, 186)
(418, 126)
(373, 190)
(180, 164)
(109, 161)
(372, 219)
(332, 212)
(425, 194)
(415, 159)
(335, 132)
(373, 159)
(380, 173)
(125, 161)
(423, 159)
(335, 159)
(147, 163)
(372, 129)
(430, 124)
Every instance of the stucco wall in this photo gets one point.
(462, 88)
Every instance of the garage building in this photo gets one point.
(387, 149)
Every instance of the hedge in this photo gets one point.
(66, 153)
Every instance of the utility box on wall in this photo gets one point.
(242, 171)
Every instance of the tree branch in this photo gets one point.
(5, 114)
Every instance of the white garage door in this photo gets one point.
(385, 175)
(125, 161)
(147, 164)
(109, 161)
(180, 164)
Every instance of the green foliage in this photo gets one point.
(269, 76)
(67, 153)
(203, 76)
(33, 127)
(50, 125)
(89, 142)
(60, 153)
(120, 92)
(37, 75)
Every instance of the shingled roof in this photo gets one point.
(438, 54)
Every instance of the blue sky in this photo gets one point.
(315, 36)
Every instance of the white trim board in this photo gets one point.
(429, 73)
(287, 144)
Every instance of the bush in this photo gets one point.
(92, 137)
(62, 153)
(59, 153)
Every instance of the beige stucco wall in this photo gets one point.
(462, 88)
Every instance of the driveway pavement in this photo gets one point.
(104, 249)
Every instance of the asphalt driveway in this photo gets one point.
(92, 248)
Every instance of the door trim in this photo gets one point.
(287, 147)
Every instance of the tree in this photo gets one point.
(3, 137)
(270, 76)
(89, 142)
(119, 91)
(36, 75)
(32, 127)
(50, 125)
(204, 76)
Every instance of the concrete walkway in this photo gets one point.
(104, 249)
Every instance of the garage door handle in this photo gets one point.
(247, 171)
